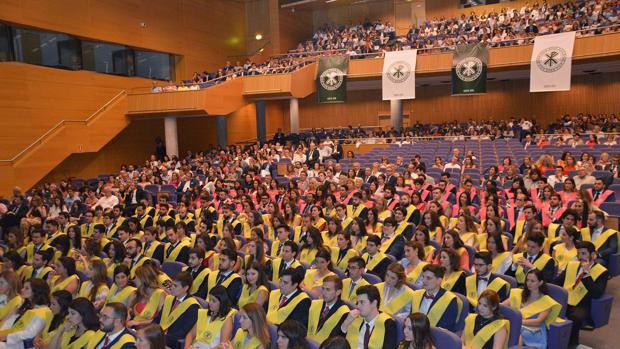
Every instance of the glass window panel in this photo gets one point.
(6, 53)
(154, 65)
(107, 58)
(49, 49)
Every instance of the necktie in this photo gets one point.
(367, 336)
(428, 296)
(484, 279)
(353, 283)
(170, 250)
(106, 342)
(579, 278)
(279, 248)
(596, 196)
(220, 278)
(324, 313)
(283, 301)
(174, 304)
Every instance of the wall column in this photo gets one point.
(261, 126)
(294, 115)
(172, 137)
(396, 113)
(221, 125)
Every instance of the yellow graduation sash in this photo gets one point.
(471, 286)
(198, 280)
(410, 210)
(562, 255)
(320, 223)
(448, 283)
(168, 317)
(85, 289)
(538, 306)
(308, 255)
(552, 231)
(277, 315)
(43, 312)
(80, 342)
(576, 293)
(377, 335)
(356, 213)
(30, 251)
(384, 214)
(114, 295)
(98, 337)
(151, 250)
(498, 260)
(275, 266)
(11, 306)
(361, 244)
(274, 249)
(438, 309)
(329, 240)
(175, 251)
(189, 217)
(311, 280)
(399, 229)
(346, 289)
(518, 230)
(468, 236)
(386, 244)
(414, 275)
(61, 285)
(376, 259)
(150, 309)
(212, 280)
(484, 334)
(601, 239)
(345, 260)
(247, 297)
(207, 328)
(397, 303)
(132, 272)
(320, 335)
(240, 343)
(44, 271)
(539, 264)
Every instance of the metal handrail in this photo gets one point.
(59, 125)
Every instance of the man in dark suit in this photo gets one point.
(19, 207)
(175, 250)
(337, 154)
(368, 177)
(187, 184)
(112, 321)
(313, 155)
(134, 196)
(584, 280)
(225, 276)
(361, 327)
(376, 261)
(391, 243)
(180, 311)
(276, 266)
(533, 257)
(198, 272)
(425, 299)
(484, 279)
(289, 299)
(320, 323)
(605, 240)
(390, 178)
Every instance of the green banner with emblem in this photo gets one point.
(469, 69)
(331, 79)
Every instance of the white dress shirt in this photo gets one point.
(360, 340)
(111, 336)
(16, 340)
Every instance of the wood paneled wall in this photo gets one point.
(591, 94)
(295, 27)
(33, 99)
(203, 32)
(355, 13)
(451, 8)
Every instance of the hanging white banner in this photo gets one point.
(551, 62)
(398, 79)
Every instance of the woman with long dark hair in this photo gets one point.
(65, 278)
(79, 328)
(215, 324)
(256, 286)
(539, 310)
(95, 288)
(488, 319)
(292, 335)
(59, 304)
(417, 333)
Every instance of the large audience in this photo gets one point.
(227, 249)
(508, 27)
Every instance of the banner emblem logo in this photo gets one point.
(551, 59)
(399, 72)
(469, 69)
(331, 79)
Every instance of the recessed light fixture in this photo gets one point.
(258, 36)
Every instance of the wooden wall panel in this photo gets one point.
(355, 13)
(197, 133)
(591, 94)
(277, 116)
(33, 99)
(295, 27)
(132, 146)
(204, 32)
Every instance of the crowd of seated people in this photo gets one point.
(325, 251)
(508, 27)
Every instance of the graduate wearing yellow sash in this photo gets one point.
(354, 281)
(534, 257)
(289, 301)
(112, 323)
(255, 289)
(367, 317)
(376, 261)
(605, 240)
(483, 280)
(327, 314)
(215, 325)
(121, 292)
(414, 262)
(538, 310)
(253, 330)
(79, 328)
(180, 310)
(37, 243)
(395, 295)
(487, 329)
(225, 276)
(442, 307)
